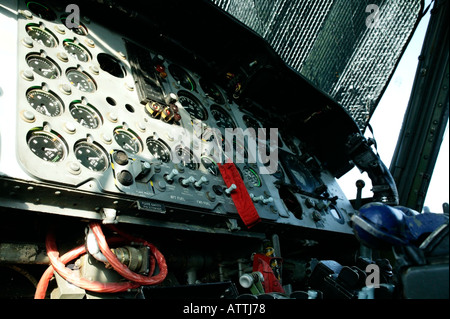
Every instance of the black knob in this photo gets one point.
(120, 158)
(125, 178)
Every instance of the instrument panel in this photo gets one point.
(98, 112)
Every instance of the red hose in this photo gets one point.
(58, 264)
(124, 270)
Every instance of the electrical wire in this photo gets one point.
(58, 264)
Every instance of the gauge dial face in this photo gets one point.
(182, 77)
(91, 156)
(81, 80)
(42, 36)
(212, 91)
(186, 158)
(128, 140)
(41, 11)
(159, 150)
(223, 119)
(77, 51)
(210, 165)
(86, 115)
(47, 146)
(192, 106)
(251, 176)
(45, 102)
(43, 66)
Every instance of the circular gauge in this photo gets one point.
(159, 150)
(78, 51)
(86, 115)
(41, 11)
(91, 156)
(43, 66)
(128, 140)
(192, 106)
(212, 91)
(186, 158)
(47, 145)
(80, 29)
(251, 176)
(223, 119)
(81, 80)
(111, 65)
(41, 35)
(45, 102)
(210, 165)
(300, 175)
(182, 77)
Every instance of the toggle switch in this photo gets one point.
(185, 182)
(202, 180)
(171, 175)
(230, 189)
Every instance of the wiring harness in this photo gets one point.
(58, 264)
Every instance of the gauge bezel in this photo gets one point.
(188, 95)
(50, 134)
(251, 170)
(37, 27)
(178, 70)
(71, 42)
(219, 109)
(130, 133)
(83, 74)
(35, 55)
(90, 108)
(48, 92)
(164, 145)
(193, 164)
(93, 146)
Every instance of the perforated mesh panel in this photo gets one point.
(335, 43)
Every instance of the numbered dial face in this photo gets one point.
(86, 115)
(43, 66)
(187, 159)
(182, 77)
(251, 177)
(81, 80)
(223, 119)
(42, 36)
(128, 140)
(91, 156)
(47, 146)
(77, 51)
(192, 106)
(212, 91)
(159, 150)
(45, 102)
